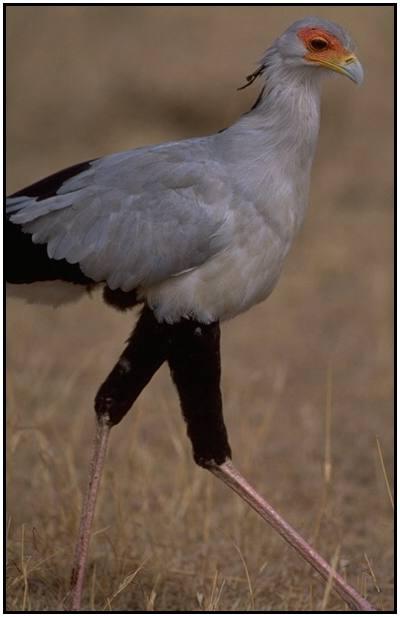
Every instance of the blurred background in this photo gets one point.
(307, 376)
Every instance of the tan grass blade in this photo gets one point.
(127, 581)
(329, 582)
(378, 589)
(251, 593)
(382, 462)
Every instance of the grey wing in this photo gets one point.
(134, 218)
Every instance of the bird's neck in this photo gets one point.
(284, 122)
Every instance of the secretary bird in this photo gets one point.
(196, 231)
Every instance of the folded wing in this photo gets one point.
(134, 218)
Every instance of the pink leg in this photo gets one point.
(232, 478)
(142, 357)
(81, 551)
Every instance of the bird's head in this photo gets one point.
(320, 44)
(315, 45)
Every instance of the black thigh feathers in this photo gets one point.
(192, 350)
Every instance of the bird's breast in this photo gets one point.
(241, 275)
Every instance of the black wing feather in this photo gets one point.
(27, 262)
(48, 187)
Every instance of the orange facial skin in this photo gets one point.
(322, 46)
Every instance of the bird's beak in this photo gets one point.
(350, 67)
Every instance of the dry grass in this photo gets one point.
(307, 375)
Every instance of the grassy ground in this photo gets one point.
(307, 375)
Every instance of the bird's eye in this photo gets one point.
(318, 44)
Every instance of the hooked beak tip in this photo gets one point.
(353, 69)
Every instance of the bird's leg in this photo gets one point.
(232, 478)
(194, 360)
(145, 352)
(82, 545)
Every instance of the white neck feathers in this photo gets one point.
(285, 120)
